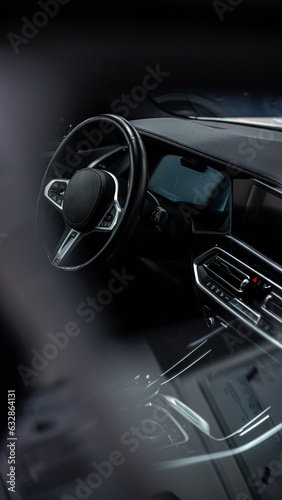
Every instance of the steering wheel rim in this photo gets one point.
(87, 197)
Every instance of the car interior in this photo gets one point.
(140, 248)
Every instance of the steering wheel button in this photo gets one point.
(88, 198)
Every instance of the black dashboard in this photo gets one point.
(236, 239)
(233, 211)
(256, 216)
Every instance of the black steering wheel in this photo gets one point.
(92, 192)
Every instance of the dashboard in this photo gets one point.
(233, 208)
(238, 273)
(256, 216)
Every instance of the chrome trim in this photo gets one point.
(187, 412)
(243, 283)
(237, 303)
(186, 367)
(183, 358)
(185, 436)
(267, 311)
(115, 204)
(217, 248)
(46, 189)
(68, 242)
(255, 252)
(225, 305)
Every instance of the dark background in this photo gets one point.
(89, 53)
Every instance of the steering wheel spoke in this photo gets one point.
(54, 192)
(110, 219)
(103, 192)
(113, 212)
(66, 245)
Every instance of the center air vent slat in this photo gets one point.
(226, 273)
(273, 306)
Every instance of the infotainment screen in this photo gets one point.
(257, 217)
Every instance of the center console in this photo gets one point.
(238, 281)
(240, 278)
(241, 292)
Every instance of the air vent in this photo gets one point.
(226, 273)
(272, 306)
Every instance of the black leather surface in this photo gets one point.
(252, 149)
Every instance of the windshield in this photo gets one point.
(257, 106)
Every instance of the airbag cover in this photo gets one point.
(86, 198)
